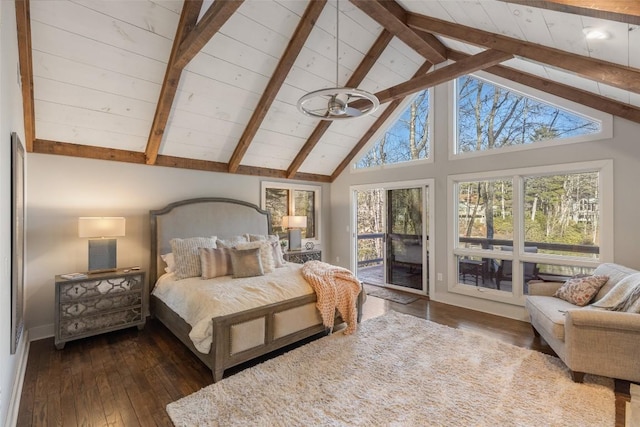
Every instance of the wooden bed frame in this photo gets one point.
(223, 218)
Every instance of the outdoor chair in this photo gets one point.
(505, 271)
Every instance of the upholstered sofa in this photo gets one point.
(588, 339)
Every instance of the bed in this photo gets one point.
(240, 336)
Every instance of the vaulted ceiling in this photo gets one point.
(214, 85)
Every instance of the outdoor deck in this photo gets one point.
(374, 275)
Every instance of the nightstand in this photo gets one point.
(300, 257)
(99, 303)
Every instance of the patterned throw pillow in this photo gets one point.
(215, 262)
(246, 262)
(266, 253)
(186, 255)
(581, 290)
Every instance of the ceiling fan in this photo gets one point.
(338, 103)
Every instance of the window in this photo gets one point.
(408, 139)
(517, 225)
(283, 199)
(491, 117)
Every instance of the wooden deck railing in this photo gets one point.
(486, 244)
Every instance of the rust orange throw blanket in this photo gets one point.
(336, 288)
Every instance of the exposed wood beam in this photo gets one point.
(210, 23)
(465, 66)
(42, 146)
(600, 71)
(278, 77)
(188, 18)
(393, 17)
(627, 11)
(589, 99)
(23, 23)
(358, 75)
(380, 121)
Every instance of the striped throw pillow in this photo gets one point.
(215, 262)
(186, 255)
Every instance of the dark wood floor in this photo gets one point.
(126, 378)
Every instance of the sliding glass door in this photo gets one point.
(391, 240)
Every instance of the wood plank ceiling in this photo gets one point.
(214, 85)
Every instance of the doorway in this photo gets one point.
(391, 242)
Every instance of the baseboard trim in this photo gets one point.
(40, 332)
(18, 382)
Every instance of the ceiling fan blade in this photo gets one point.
(352, 112)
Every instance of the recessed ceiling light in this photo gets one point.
(596, 33)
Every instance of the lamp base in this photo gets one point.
(102, 255)
(295, 239)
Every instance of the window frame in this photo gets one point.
(519, 256)
(606, 120)
(291, 187)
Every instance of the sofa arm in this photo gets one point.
(616, 320)
(546, 289)
(603, 342)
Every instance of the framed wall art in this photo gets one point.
(17, 240)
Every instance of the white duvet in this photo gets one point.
(197, 301)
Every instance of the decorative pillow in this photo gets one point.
(230, 242)
(624, 296)
(186, 255)
(581, 290)
(278, 258)
(246, 262)
(170, 261)
(215, 262)
(266, 253)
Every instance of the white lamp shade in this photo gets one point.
(296, 221)
(101, 226)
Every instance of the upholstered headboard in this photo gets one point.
(203, 217)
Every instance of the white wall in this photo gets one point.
(60, 189)
(11, 120)
(623, 148)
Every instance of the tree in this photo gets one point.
(407, 139)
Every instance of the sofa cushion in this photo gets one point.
(616, 272)
(548, 313)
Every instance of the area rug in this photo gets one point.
(401, 370)
(389, 294)
(632, 412)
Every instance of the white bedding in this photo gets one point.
(197, 301)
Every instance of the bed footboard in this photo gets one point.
(244, 336)
(241, 337)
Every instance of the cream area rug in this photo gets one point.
(399, 370)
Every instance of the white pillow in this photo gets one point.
(230, 242)
(170, 261)
(278, 258)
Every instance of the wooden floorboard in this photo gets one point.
(126, 378)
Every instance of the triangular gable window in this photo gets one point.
(493, 117)
(408, 139)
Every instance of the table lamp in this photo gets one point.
(294, 224)
(102, 251)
